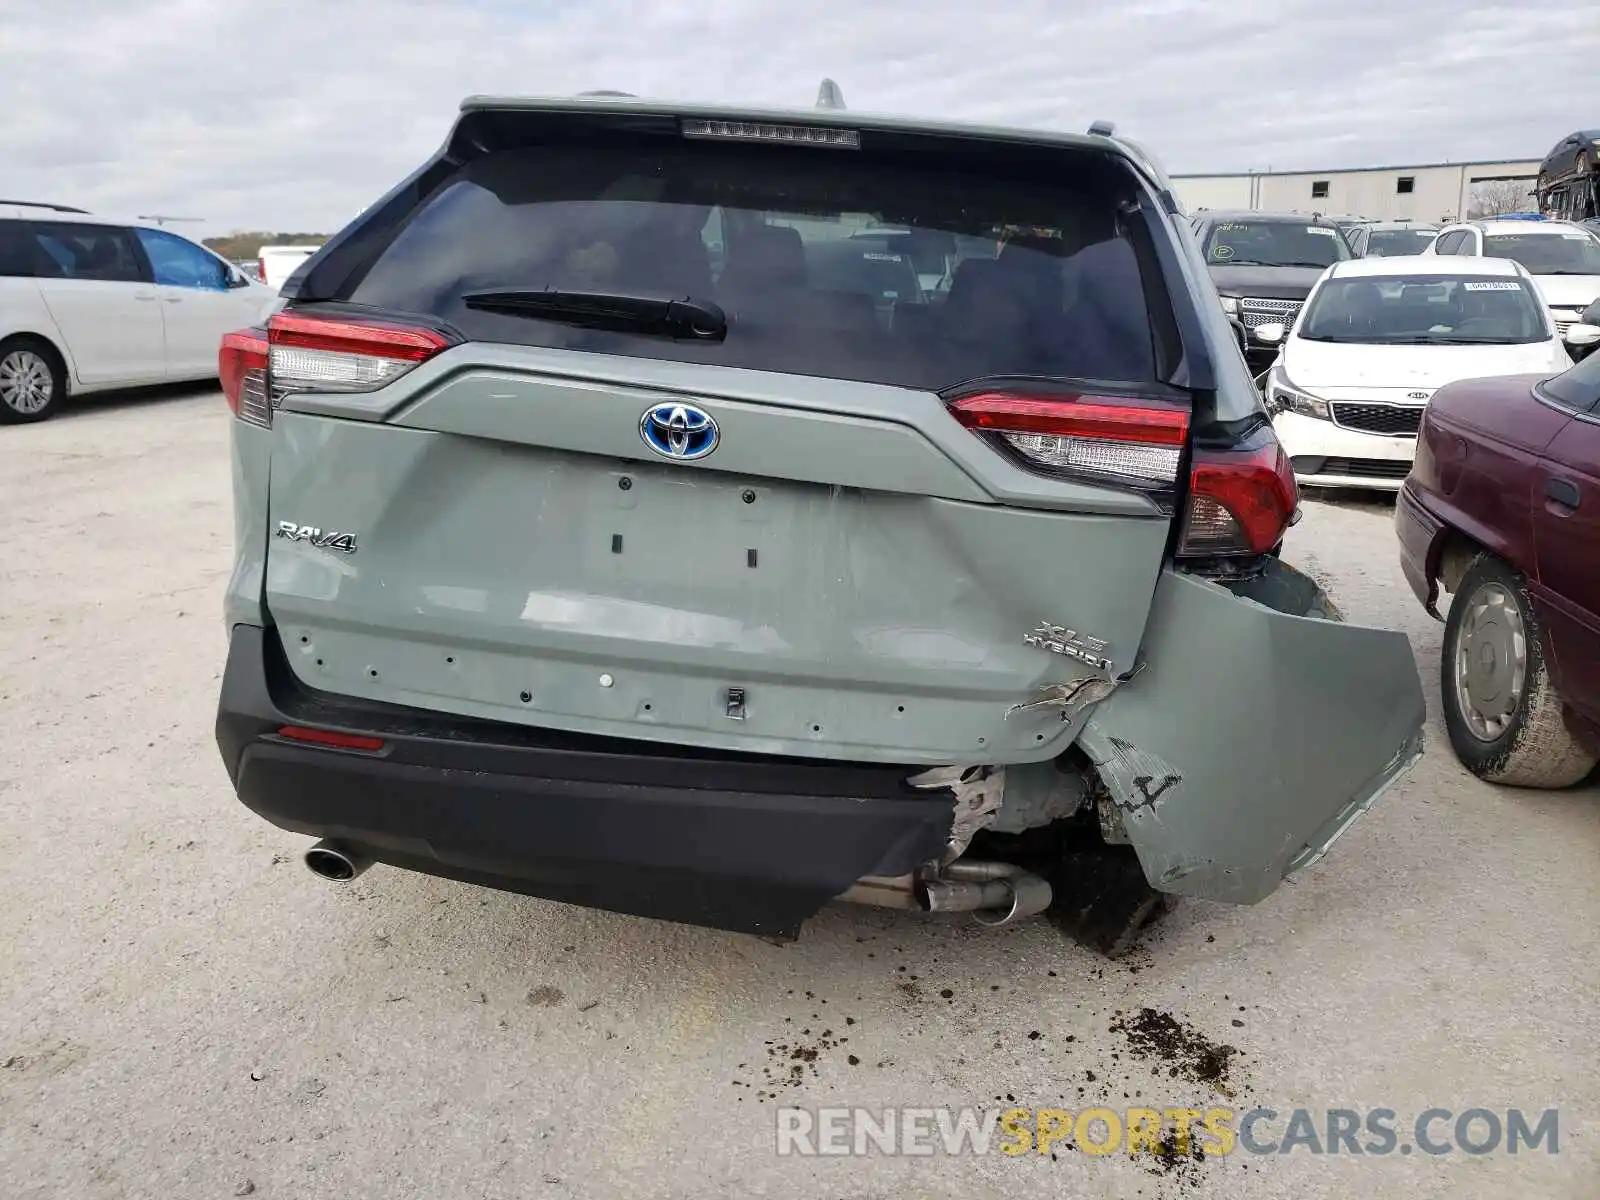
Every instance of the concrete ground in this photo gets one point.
(186, 1012)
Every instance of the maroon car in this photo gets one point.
(1502, 510)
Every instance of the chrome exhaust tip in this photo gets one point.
(330, 861)
(995, 893)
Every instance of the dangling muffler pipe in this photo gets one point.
(335, 863)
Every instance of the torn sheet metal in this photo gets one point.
(1112, 831)
(1068, 697)
(979, 791)
(1037, 794)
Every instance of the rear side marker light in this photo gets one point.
(1109, 439)
(762, 131)
(330, 738)
(337, 354)
(1240, 501)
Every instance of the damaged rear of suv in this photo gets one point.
(622, 519)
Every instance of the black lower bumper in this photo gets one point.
(736, 842)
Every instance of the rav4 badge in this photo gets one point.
(330, 539)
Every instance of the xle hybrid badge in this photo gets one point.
(1058, 639)
(679, 431)
(330, 540)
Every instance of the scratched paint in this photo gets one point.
(1138, 780)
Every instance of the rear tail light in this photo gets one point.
(339, 354)
(299, 353)
(1241, 500)
(242, 371)
(1109, 439)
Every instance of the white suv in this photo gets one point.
(1562, 257)
(88, 304)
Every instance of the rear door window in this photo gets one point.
(107, 253)
(917, 271)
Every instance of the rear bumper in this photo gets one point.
(733, 842)
(1262, 728)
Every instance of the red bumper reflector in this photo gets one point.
(328, 737)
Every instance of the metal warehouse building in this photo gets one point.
(1430, 192)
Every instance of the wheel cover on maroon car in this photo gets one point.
(1491, 662)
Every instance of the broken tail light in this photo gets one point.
(1241, 499)
(1123, 441)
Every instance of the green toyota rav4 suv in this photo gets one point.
(708, 514)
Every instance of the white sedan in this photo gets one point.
(1378, 336)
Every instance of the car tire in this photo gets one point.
(33, 380)
(1503, 714)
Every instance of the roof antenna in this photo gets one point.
(829, 95)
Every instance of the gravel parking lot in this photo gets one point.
(185, 1011)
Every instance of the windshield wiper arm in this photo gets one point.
(683, 317)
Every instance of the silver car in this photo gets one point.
(621, 520)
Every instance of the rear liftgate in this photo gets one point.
(764, 563)
(744, 561)
(492, 538)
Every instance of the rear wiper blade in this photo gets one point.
(684, 317)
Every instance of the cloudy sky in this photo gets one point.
(293, 114)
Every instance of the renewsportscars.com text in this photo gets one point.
(1205, 1132)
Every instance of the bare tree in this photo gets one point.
(1496, 197)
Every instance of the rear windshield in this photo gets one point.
(916, 272)
(1425, 310)
(1274, 244)
(1574, 253)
